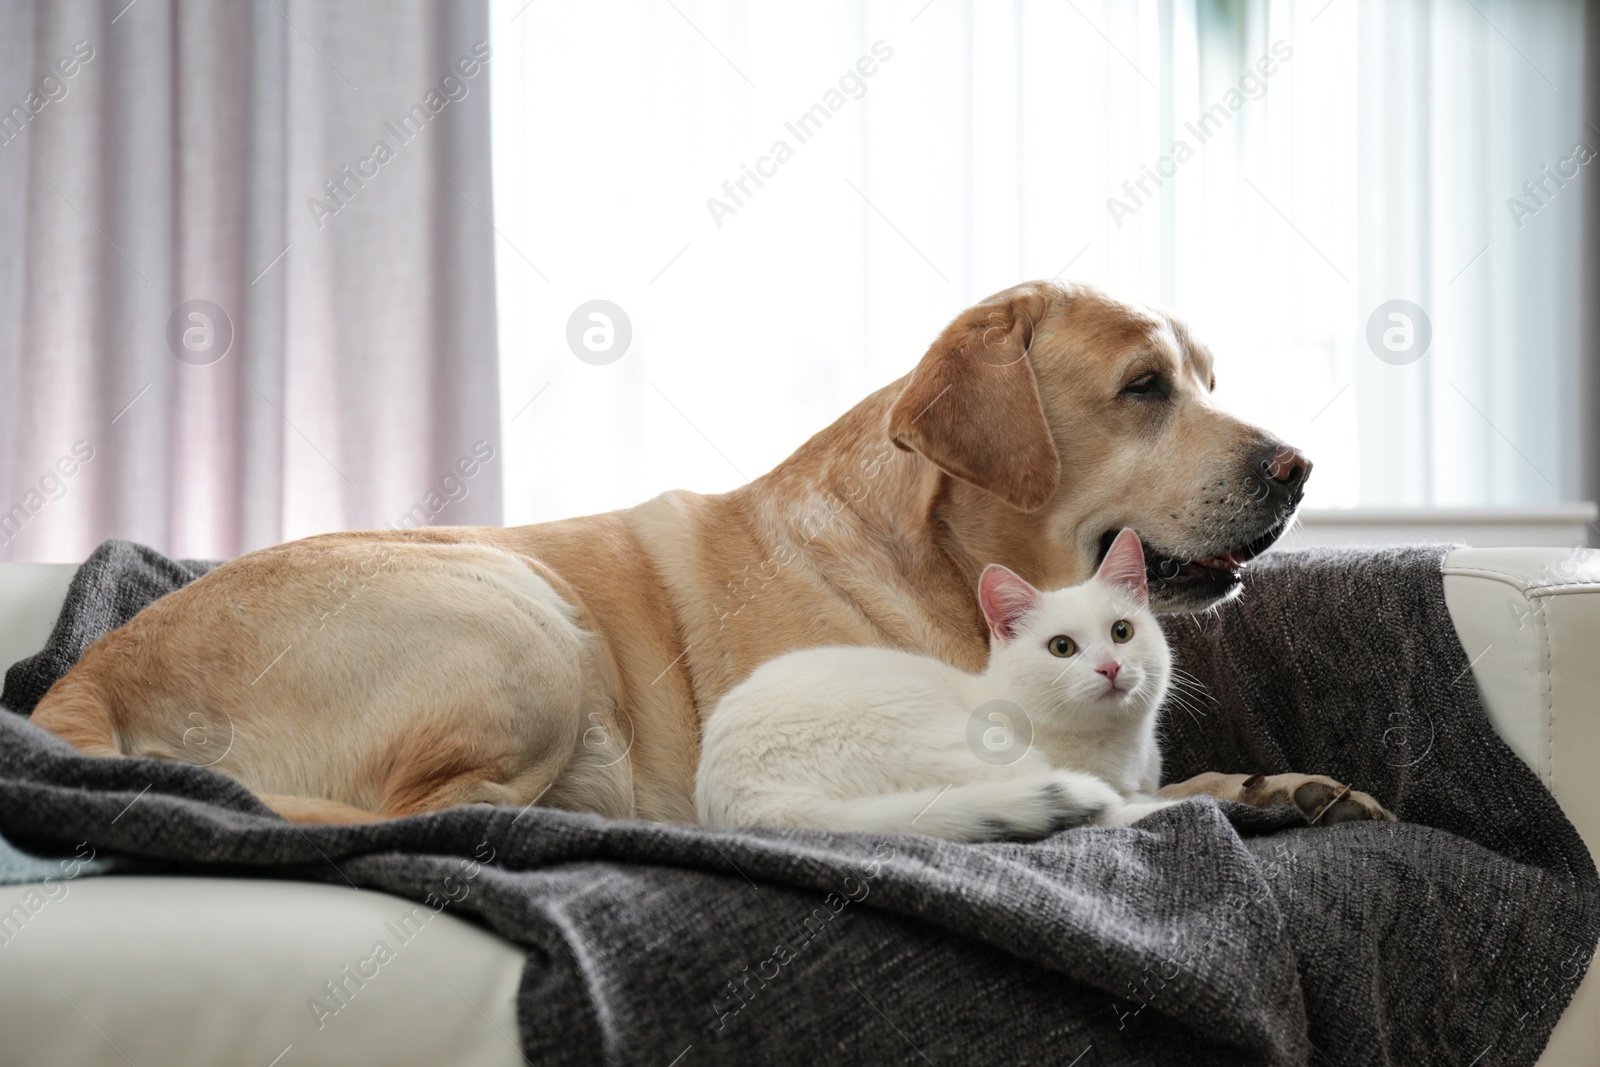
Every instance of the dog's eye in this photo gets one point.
(1149, 382)
(1122, 631)
(1061, 645)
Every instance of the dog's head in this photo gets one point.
(1062, 415)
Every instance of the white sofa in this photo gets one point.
(116, 968)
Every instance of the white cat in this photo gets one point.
(1058, 731)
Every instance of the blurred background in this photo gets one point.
(277, 268)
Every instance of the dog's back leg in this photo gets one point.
(76, 711)
(315, 811)
(433, 675)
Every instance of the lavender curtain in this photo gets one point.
(1590, 355)
(246, 272)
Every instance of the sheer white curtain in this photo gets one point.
(1275, 172)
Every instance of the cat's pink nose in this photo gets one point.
(1109, 669)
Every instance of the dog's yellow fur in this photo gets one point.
(368, 675)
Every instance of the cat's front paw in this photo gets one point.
(1134, 810)
(1050, 803)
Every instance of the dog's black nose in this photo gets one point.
(1278, 475)
(1286, 466)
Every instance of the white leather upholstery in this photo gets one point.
(143, 961)
(188, 971)
(30, 599)
(1529, 619)
(166, 970)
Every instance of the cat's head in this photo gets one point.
(1090, 648)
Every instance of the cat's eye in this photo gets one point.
(1062, 645)
(1121, 631)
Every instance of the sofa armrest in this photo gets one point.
(1529, 619)
(31, 595)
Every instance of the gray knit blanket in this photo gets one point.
(1211, 933)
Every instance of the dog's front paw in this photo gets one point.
(1321, 800)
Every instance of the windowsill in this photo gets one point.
(1553, 526)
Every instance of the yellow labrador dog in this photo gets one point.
(360, 676)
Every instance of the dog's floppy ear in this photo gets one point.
(972, 405)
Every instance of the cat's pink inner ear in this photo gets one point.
(1123, 567)
(1005, 599)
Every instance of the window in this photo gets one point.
(1280, 174)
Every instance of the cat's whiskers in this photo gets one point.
(1188, 683)
(1191, 689)
(1134, 701)
(1188, 692)
(1180, 699)
(1176, 699)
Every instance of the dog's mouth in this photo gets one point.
(1188, 582)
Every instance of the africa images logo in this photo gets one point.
(1251, 85)
(346, 183)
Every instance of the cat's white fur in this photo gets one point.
(877, 740)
